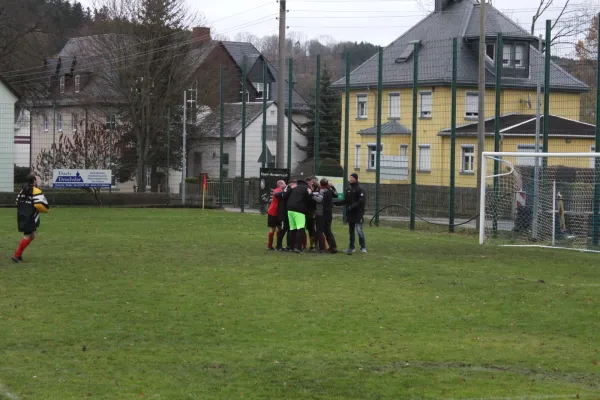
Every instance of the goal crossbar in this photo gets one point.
(495, 155)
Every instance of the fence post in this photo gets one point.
(547, 90)
(243, 161)
(168, 154)
(453, 135)
(264, 125)
(111, 120)
(596, 218)
(317, 117)
(346, 132)
(499, 55)
(289, 114)
(221, 135)
(378, 141)
(413, 161)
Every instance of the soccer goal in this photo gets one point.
(540, 200)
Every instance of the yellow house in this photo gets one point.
(522, 67)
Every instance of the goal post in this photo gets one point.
(540, 199)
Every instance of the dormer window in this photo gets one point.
(490, 51)
(62, 84)
(519, 50)
(506, 49)
(262, 88)
(77, 83)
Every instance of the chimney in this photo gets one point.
(441, 5)
(201, 34)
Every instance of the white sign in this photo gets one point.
(338, 183)
(81, 178)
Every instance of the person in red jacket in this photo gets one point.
(272, 214)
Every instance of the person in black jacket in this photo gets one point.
(282, 215)
(354, 200)
(298, 200)
(324, 215)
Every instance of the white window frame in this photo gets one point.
(426, 113)
(74, 122)
(61, 84)
(394, 109)
(357, 156)
(403, 150)
(506, 51)
(469, 113)
(271, 129)
(260, 87)
(424, 166)
(463, 155)
(527, 148)
(519, 61)
(45, 122)
(59, 122)
(362, 98)
(372, 155)
(77, 83)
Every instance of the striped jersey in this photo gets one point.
(30, 203)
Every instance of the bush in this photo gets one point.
(21, 175)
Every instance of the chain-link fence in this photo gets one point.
(406, 120)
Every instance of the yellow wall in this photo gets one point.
(512, 101)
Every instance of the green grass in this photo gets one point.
(186, 304)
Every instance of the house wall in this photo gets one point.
(7, 134)
(22, 139)
(512, 101)
(204, 158)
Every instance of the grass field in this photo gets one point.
(186, 304)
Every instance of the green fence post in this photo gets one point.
(243, 161)
(596, 218)
(413, 161)
(546, 91)
(378, 145)
(111, 120)
(346, 133)
(289, 113)
(168, 154)
(317, 116)
(453, 135)
(499, 55)
(264, 125)
(221, 135)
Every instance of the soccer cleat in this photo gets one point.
(364, 250)
(17, 259)
(333, 251)
(348, 251)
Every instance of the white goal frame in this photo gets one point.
(537, 155)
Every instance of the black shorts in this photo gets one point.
(272, 221)
(28, 233)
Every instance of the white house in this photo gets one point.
(22, 138)
(204, 144)
(8, 98)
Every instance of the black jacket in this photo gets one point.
(282, 206)
(355, 199)
(298, 199)
(30, 203)
(324, 199)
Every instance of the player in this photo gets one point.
(324, 199)
(272, 215)
(354, 200)
(282, 216)
(298, 199)
(30, 203)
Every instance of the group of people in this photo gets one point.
(307, 205)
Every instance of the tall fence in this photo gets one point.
(406, 120)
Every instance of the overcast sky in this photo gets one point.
(375, 21)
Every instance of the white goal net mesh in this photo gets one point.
(540, 199)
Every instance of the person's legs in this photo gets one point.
(320, 225)
(284, 228)
(351, 227)
(293, 230)
(329, 235)
(361, 237)
(26, 241)
(300, 224)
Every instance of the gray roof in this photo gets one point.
(209, 126)
(435, 32)
(246, 52)
(392, 127)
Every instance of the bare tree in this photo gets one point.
(569, 23)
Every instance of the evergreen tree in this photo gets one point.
(329, 121)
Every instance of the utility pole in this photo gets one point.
(280, 155)
(184, 156)
(481, 109)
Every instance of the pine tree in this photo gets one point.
(329, 121)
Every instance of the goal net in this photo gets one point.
(540, 199)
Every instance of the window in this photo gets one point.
(372, 156)
(403, 150)
(45, 122)
(471, 105)
(506, 50)
(74, 122)
(59, 122)
(519, 56)
(527, 148)
(77, 83)
(467, 163)
(424, 157)
(395, 105)
(271, 132)
(225, 158)
(490, 51)
(110, 121)
(361, 106)
(426, 104)
(261, 88)
(62, 84)
(357, 157)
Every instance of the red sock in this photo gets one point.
(271, 234)
(22, 246)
